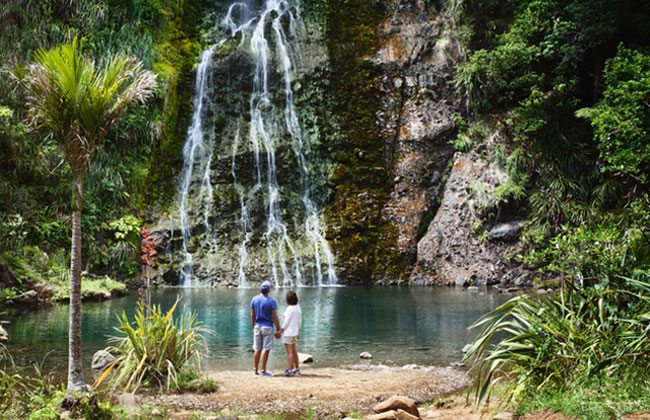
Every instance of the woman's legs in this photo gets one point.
(289, 354)
(294, 354)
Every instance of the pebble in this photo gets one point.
(128, 401)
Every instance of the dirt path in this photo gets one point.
(328, 392)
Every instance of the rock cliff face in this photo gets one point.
(453, 249)
(416, 55)
(374, 95)
(429, 221)
(247, 207)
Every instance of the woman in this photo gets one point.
(290, 331)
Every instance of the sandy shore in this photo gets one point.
(329, 392)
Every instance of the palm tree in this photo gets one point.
(77, 104)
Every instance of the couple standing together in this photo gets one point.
(263, 317)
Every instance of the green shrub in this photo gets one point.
(621, 120)
(90, 288)
(606, 244)
(155, 349)
(12, 384)
(27, 392)
(540, 343)
(191, 380)
(594, 398)
(13, 231)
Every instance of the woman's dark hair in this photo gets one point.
(292, 298)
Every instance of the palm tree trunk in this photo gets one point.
(76, 380)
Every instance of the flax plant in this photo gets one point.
(531, 342)
(155, 348)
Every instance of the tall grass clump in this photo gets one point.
(579, 338)
(27, 392)
(155, 349)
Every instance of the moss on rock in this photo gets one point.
(365, 244)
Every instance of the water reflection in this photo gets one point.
(396, 325)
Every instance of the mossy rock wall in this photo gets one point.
(357, 122)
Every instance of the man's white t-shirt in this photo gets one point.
(292, 320)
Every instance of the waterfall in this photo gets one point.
(199, 141)
(266, 36)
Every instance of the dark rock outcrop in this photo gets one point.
(416, 57)
(7, 277)
(29, 298)
(378, 118)
(505, 231)
(452, 250)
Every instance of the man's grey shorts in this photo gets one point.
(262, 338)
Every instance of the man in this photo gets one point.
(263, 317)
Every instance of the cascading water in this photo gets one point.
(266, 36)
(200, 139)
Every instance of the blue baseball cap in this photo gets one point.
(265, 286)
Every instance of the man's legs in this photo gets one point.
(256, 358)
(266, 337)
(257, 346)
(265, 357)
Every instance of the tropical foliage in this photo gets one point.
(156, 350)
(537, 71)
(565, 85)
(26, 391)
(76, 104)
(539, 344)
(131, 170)
(621, 120)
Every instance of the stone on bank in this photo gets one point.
(398, 403)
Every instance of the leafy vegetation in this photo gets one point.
(594, 398)
(76, 103)
(537, 72)
(27, 392)
(621, 120)
(565, 86)
(155, 351)
(30, 393)
(592, 336)
(125, 177)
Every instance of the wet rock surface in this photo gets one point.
(238, 166)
